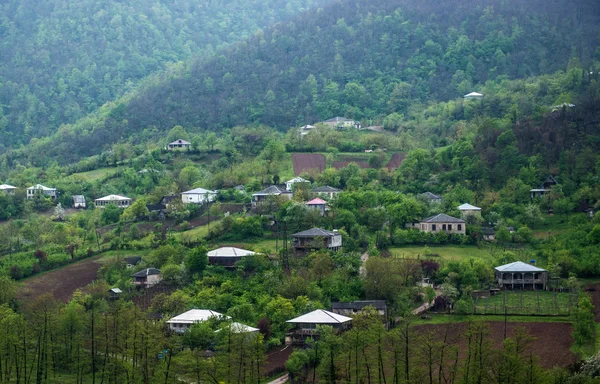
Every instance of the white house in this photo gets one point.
(117, 200)
(290, 183)
(473, 95)
(7, 189)
(39, 190)
(227, 256)
(305, 326)
(181, 323)
(342, 122)
(198, 196)
(469, 210)
(179, 144)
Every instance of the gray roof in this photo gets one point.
(325, 188)
(430, 196)
(199, 191)
(468, 207)
(80, 199)
(229, 252)
(519, 266)
(315, 232)
(442, 218)
(338, 119)
(147, 272)
(272, 190)
(180, 142)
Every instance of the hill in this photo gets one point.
(362, 60)
(61, 60)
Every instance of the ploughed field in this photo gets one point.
(61, 283)
(552, 341)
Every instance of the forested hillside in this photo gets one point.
(61, 60)
(363, 60)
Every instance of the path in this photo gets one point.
(281, 380)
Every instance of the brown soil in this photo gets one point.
(395, 161)
(594, 291)
(61, 283)
(276, 360)
(305, 162)
(552, 341)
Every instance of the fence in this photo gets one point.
(538, 303)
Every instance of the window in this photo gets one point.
(433, 227)
(460, 227)
(443, 227)
(449, 227)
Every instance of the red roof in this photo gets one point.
(317, 201)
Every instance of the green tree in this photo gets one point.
(136, 212)
(178, 133)
(196, 261)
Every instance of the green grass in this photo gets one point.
(552, 225)
(96, 174)
(195, 233)
(529, 302)
(108, 255)
(457, 252)
(451, 319)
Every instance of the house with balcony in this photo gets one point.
(179, 144)
(116, 200)
(442, 223)
(7, 189)
(268, 194)
(314, 239)
(182, 322)
(325, 192)
(147, 278)
(39, 190)
(520, 275)
(305, 326)
(544, 188)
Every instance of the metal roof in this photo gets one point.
(473, 94)
(199, 191)
(358, 305)
(147, 272)
(196, 316)
(298, 180)
(321, 316)
(468, 207)
(229, 252)
(272, 190)
(239, 328)
(325, 188)
(178, 142)
(113, 198)
(430, 196)
(519, 266)
(442, 218)
(315, 232)
(6, 186)
(40, 186)
(317, 201)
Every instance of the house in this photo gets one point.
(488, 234)
(114, 293)
(544, 187)
(132, 261)
(198, 196)
(430, 197)
(227, 256)
(342, 122)
(147, 278)
(469, 210)
(473, 95)
(270, 192)
(116, 200)
(290, 183)
(78, 201)
(318, 205)
(305, 326)
(354, 307)
(442, 223)
(305, 129)
(179, 144)
(162, 206)
(561, 106)
(239, 328)
(181, 323)
(316, 238)
(521, 275)
(39, 190)
(7, 189)
(325, 191)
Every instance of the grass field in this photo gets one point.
(528, 303)
(96, 174)
(552, 225)
(452, 319)
(457, 252)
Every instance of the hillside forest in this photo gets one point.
(146, 104)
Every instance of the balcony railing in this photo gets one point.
(520, 281)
